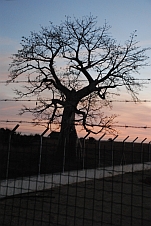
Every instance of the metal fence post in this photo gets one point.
(142, 149)
(99, 164)
(40, 154)
(9, 148)
(123, 149)
(83, 152)
(133, 142)
(83, 162)
(149, 151)
(112, 149)
(64, 156)
(133, 149)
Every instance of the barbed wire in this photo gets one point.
(81, 80)
(76, 124)
(35, 100)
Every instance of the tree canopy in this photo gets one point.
(74, 69)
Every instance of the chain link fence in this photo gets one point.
(108, 183)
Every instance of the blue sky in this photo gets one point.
(19, 17)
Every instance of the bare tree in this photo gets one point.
(72, 69)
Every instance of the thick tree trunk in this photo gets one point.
(68, 136)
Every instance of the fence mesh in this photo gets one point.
(107, 183)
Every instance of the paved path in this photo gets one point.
(122, 200)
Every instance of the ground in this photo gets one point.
(121, 200)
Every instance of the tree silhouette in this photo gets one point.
(74, 69)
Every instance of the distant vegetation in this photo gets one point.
(29, 156)
(17, 138)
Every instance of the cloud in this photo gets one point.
(145, 43)
(8, 45)
(135, 115)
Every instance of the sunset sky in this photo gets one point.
(19, 17)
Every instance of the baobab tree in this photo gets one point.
(74, 69)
